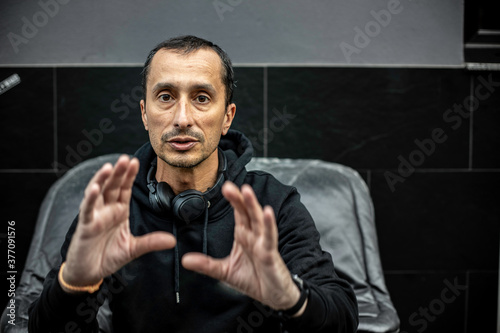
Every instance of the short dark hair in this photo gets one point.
(186, 45)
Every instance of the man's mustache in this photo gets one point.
(182, 132)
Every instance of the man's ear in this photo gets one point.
(228, 118)
(144, 116)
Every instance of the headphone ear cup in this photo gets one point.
(165, 195)
(189, 205)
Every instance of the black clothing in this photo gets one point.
(142, 293)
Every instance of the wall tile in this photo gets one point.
(438, 221)
(425, 302)
(98, 113)
(27, 139)
(368, 117)
(482, 302)
(486, 122)
(249, 100)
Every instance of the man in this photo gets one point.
(144, 222)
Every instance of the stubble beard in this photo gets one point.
(182, 159)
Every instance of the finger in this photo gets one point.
(92, 192)
(128, 181)
(233, 195)
(203, 264)
(253, 208)
(154, 241)
(100, 177)
(88, 203)
(113, 183)
(271, 229)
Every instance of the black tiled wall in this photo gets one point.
(425, 140)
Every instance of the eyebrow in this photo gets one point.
(162, 86)
(169, 86)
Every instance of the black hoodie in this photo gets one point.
(142, 295)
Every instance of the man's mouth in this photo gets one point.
(182, 143)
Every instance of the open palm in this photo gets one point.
(102, 242)
(254, 266)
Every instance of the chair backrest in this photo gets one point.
(335, 195)
(340, 204)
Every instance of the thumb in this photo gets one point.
(154, 241)
(200, 263)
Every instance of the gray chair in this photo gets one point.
(335, 195)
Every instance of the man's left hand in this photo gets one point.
(254, 266)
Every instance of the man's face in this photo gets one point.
(184, 110)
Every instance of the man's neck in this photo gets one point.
(199, 178)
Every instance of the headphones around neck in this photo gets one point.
(189, 205)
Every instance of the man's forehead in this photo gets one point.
(204, 62)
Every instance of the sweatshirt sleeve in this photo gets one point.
(332, 304)
(57, 311)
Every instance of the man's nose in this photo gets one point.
(183, 115)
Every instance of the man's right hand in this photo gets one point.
(102, 242)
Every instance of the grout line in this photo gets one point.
(424, 271)
(471, 122)
(249, 64)
(265, 113)
(54, 87)
(75, 65)
(27, 171)
(467, 170)
(466, 306)
(498, 306)
(342, 65)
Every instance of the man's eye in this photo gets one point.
(165, 98)
(202, 99)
